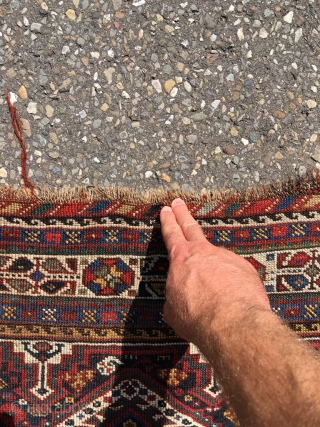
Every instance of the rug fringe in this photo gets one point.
(310, 183)
(28, 193)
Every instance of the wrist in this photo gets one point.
(227, 327)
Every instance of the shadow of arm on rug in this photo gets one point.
(145, 375)
(6, 420)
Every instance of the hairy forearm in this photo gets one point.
(270, 377)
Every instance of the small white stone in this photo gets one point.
(294, 65)
(263, 34)
(36, 27)
(13, 97)
(314, 89)
(109, 73)
(169, 29)
(65, 50)
(256, 176)
(215, 104)
(138, 2)
(298, 35)
(174, 92)
(3, 173)
(25, 21)
(125, 94)
(148, 174)
(82, 114)
(96, 160)
(44, 6)
(244, 141)
(32, 108)
(217, 150)
(249, 54)
(110, 53)
(240, 34)
(311, 104)
(288, 17)
(157, 85)
(187, 86)
(204, 162)
(213, 37)
(95, 55)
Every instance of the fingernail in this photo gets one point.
(167, 209)
(178, 202)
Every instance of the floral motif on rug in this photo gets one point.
(83, 341)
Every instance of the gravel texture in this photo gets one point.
(147, 94)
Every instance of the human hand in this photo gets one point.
(205, 283)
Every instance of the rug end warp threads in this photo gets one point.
(18, 131)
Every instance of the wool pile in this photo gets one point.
(83, 341)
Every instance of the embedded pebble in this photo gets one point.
(71, 14)
(298, 35)
(36, 27)
(22, 92)
(187, 86)
(32, 108)
(49, 111)
(168, 85)
(53, 154)
(288, 17)
(3, 173)
(263, 33)
(311, 104)
(157, 85)
(302, 170)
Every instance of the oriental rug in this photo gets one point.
(82, 282)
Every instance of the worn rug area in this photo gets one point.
(82, 280)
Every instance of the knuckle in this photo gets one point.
(179, 253)
(188, 225)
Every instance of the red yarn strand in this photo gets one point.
(18, 131)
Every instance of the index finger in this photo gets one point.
(189, 226)
(171, 231)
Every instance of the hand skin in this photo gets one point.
(215, 299)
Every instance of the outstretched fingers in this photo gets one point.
(171, 231)
(189, 226)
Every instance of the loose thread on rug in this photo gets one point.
(18, 131)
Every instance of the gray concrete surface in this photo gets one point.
(147, 94)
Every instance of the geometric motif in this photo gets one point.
(83, 341)
(108, 276)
